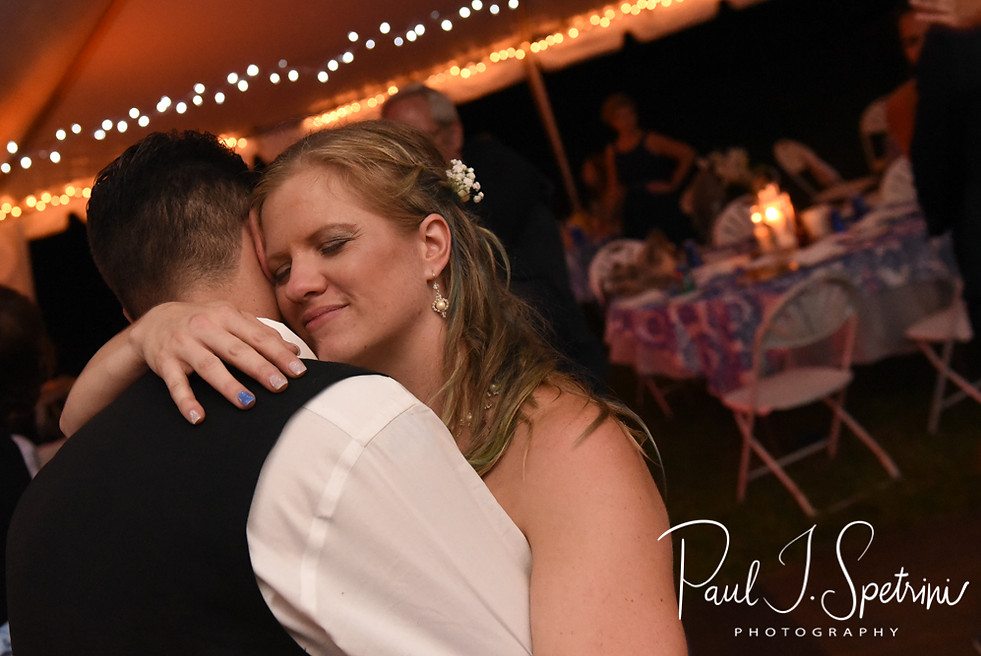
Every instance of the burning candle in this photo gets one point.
(762, 232)
(777, 214)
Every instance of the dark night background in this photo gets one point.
(803, 69)
(785, 68)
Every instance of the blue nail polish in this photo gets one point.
(246, 399)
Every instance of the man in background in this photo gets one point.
(516, 209)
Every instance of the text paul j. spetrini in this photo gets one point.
(846, 603)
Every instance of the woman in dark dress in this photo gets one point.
(646, 174)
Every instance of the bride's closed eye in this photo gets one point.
(281, 274)
(333, 246)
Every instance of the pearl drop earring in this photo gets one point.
(441, 304)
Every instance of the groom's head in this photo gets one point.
(168, 221)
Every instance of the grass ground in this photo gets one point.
(927, 523)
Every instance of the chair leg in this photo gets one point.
(749, 442)
(942, 365)
(648, 382)
(939, 388)
(835, 427)
(745, 423)
(784, 478)
(967, 389)
(863, 435)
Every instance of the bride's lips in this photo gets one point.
(314, 317)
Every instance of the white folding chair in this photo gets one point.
(609, 255)
(804, 167)
(734, 223)
(813, 312)
(873, 130)
(936, 335)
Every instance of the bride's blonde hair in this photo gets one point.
(495, 356)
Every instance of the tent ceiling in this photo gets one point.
(83, 62)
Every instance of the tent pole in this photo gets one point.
(540, 94)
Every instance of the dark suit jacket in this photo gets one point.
(516, 208)
(946, 149)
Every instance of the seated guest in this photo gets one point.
(655, 266)
(48, 413)
(24, 358)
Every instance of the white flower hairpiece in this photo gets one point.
(464, 181)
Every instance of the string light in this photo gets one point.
(575, 27)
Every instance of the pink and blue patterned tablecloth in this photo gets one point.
(709, 333)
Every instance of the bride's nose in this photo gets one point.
(305, 280)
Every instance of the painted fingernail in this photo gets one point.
(278, 381)
(194, 416)
(297, 367)
(246, 399)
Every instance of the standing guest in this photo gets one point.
(25, 357)
(376, 262)
(952, 13)
(516, 209)
(338, 516)
(646, 173)
(951, 89)
(946, 150)
(900, 104)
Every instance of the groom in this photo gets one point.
(337, 516)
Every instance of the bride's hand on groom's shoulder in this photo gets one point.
(176, 339)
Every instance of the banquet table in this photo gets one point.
(708, 333)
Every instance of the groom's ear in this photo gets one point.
(260, 248)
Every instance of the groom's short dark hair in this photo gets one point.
(166, 214)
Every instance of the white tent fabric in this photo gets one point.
(15, 270)
(86, 63)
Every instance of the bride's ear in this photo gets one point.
(436, 240)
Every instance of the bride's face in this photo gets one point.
(352, 283)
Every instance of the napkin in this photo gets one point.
(819, 252)
(648, 297)
(883, 215)
(711, 270)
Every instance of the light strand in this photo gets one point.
(575, 27)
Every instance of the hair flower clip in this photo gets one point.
(464, 181)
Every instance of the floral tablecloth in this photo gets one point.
(709, 332)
